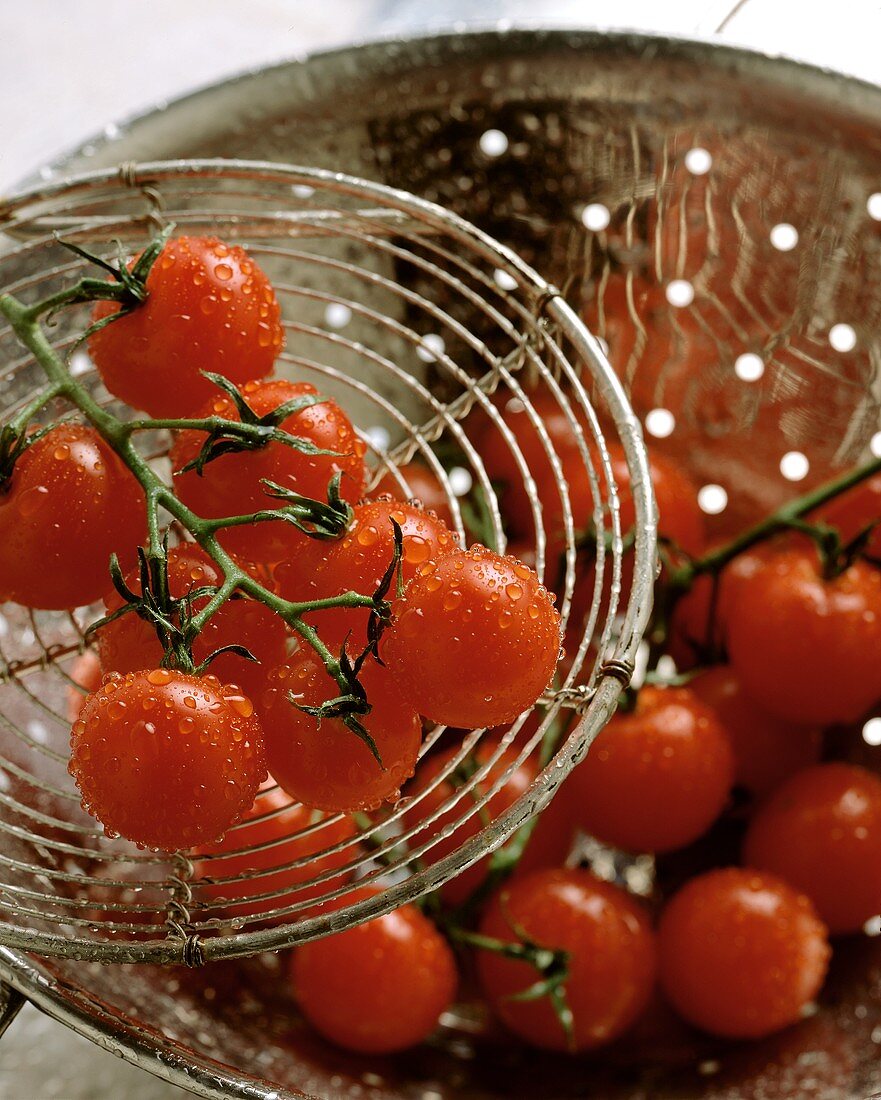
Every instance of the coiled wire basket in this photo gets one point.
(714, 216)
(422, 327)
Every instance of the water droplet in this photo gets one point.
(506, 619)
(432, 584)
(452, 599)
(223, 272)
(32, 500)
(61, 452)
(243, 705)
(515, 591)
(532, 611)
(416, 549)
(186, 725)
(159, 676)
(116, 710)
(367, 536)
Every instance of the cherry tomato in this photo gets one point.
(425, 490)
(611, 957)
(284, 832)
(821, 832)
(766, 749)
(358, 561)
(231, 485)
(209, 308)
(808, 649)
(741, 953)
(474, 640)
(165, 759)
(854, 510)
(328, 766)
(656, 778)
(68, 506)
(85, 672)
(500, 462)
(699, 621)
(131, 643)
(550, 840)
(379, 987)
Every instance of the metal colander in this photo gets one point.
(714, 217)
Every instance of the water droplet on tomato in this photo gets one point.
(186, 725)
(241, 704)
(159, 676)
(367, 536)
(515, 591)
(506, 619)
(116, 710)
(33, 500)
(452, 599)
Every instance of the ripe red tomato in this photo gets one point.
(611, 957)
(807, 649)
(699, 621)
(284, 833)
(501, 465)
(68, 506)
(209, 308)
(231, 485)
(474, 640)
(548, 845)
(85, 671)
(741, 953)
(379, 987)
(130, 643)
(426, 491)
(358, 561)
(854, 510)
(766, 749)
(328, 766)
(821, 832)
(657, 777)
(167, 760)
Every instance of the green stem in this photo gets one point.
(117, 433)
(783, 518)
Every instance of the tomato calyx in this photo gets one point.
(551, 965)
(253, 432)
(14, 441)
(316, 518)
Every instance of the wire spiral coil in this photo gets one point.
(421, 327)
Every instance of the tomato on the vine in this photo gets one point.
(282, 832)
(209, 307)
(69, 504)
(379, 987)
(474, 640)
(550, 840)
(426, 490)
(85, 675)
(358, 561)
(329, 766)
(656, 777)
(741, 953)
(766, 750)
(821, 832)
(808, 649)
(611, 965)
(130, 643)
(231, 485)
(167, 760)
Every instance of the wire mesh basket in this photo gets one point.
(422, 327)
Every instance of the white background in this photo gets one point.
(70, 67)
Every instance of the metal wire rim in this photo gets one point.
(456, 266)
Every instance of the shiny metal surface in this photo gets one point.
(602, 121)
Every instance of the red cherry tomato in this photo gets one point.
(209, 308)
(611, 957)
(85, 672)
(474, 640)
(68, 506)
(656, 778)
(699, 621)
(284, 832)
(379, 987)
(425, 490)
(167, 760)
(741, 953)
(854, 510)
(821, 832)
(130, 643)
(550, 840)
(358, 561)
(500, 462)
(766, 749)
(329, 766)
(231, 485)
(808, 649)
